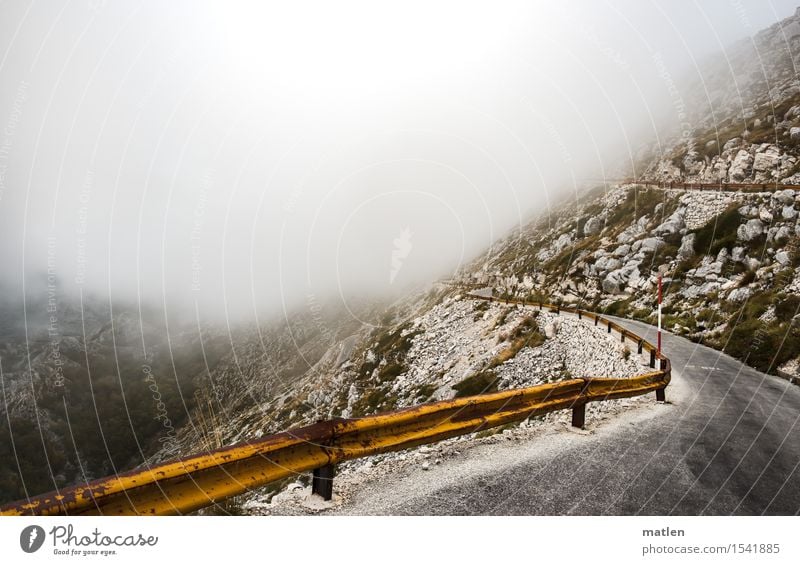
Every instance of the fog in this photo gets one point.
(240, 158)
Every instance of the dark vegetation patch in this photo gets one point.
(719, 233)
(479, 383)
(524, 334)
(763, 345)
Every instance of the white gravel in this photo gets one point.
(577, 345)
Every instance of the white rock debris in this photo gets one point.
(460, 338)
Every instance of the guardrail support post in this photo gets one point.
(578, 416)
(595, 320)
(622, 333)
(558, 310)
(322, 482)
(652, 359)
(639, 347)
(609, 327)
(660, 395)
(580, 315)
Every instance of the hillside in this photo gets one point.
(114, 387)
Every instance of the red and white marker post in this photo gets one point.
(659, 317)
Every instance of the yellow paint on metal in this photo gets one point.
(200, 480)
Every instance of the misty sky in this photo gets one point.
(244, 156)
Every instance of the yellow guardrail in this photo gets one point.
(200, 480)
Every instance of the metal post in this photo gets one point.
(322, 482)
(659, 314)
(596, 319)
(578, 416)
(580, 315)
(660, 395)
(652, 359)
(639, 348)
(622, 333)
(558, 310)
(609, 327)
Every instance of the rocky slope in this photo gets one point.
(729, 260)
(729, 263)
(740, 118)
(90, 388)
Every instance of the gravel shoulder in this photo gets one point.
(388, 483)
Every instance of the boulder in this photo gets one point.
(750, 230)
(605, 264)
(767, 160)
(693, 162)
(708, 270)
(651, 244)
(563, 241)
(785, 197)
(780, 234)
(740, 294)
(616, 281)
(783, 258)
(731, 143)
(551, 329)
(593, 225)
(622, 250)
(748, 211)
(740, 166)
(686, 249)
(788, 212)
(674, 224)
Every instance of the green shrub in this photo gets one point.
(719, 232)
(390, 371)
(479, 383)
(787, 308)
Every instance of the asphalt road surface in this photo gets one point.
(728, 443)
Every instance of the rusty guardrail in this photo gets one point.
(201, 480)
(715, 186)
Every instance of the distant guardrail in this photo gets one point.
(200, 480)
(715, 186)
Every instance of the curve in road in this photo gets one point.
(728, 443)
